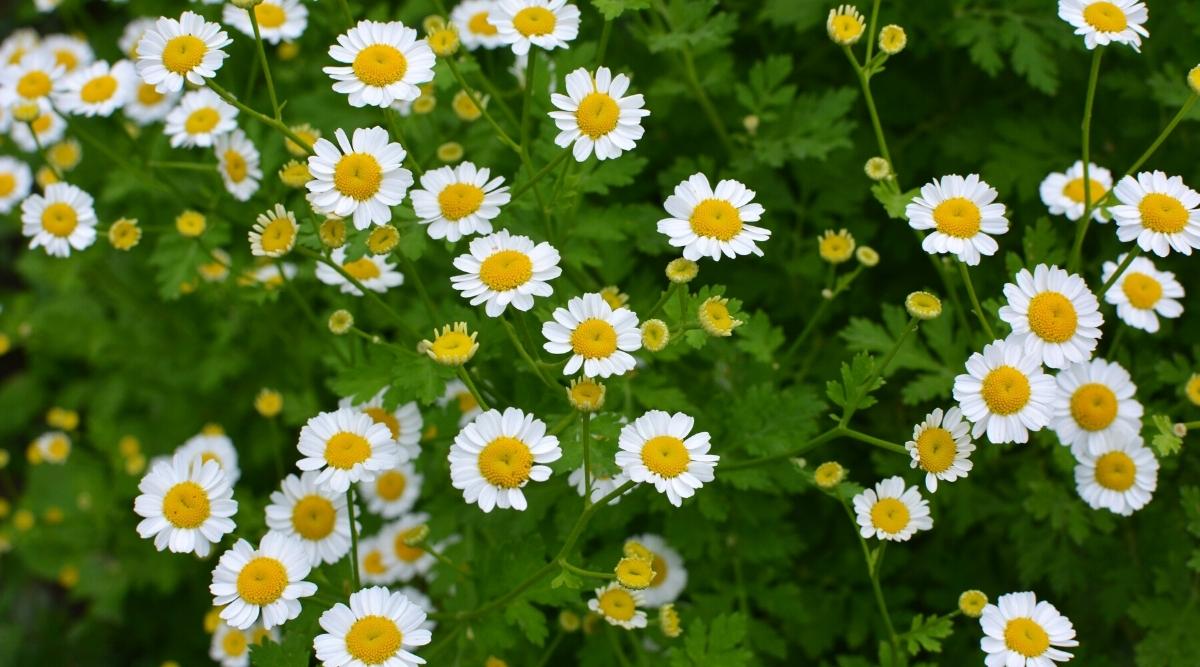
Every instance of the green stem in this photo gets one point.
(389, 117)
(710, 111)
(585, 573)
(983, 320)
(183, 166)
(783, 456)
(865, 84)
(512, 335)
(585, 442)
(562, 424)
(353, 538)
(605, 32)
(871, 30)
(507, 140)
(346, 13)
(550, 648)
(41, 151)
(1112, 280)
(872, 440)
(867, 386)
(873, 573)
(614, 640)
(260, 117)
(262, 57)
(411, 269)
(1089, 99)
(527, 102)
(662, 301)
(467, 380)
(370, 294)
(527, 185)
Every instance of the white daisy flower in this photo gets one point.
(97, 89)
(1104, 22)
(602, 485)
(619, 606)
(472, 19)
(1143, 293)
(69, 51)
(373, 566)
(404, 423)
(393, 492)
(268, 580)
(598, 338)
(496, 455)
(274, 232)
(670, 576)
(17, 44)
(502, 269)
(186, 505)
(546, 24)
(53, 447)
(459, 201)
(1062, 192)
(360, 178)
(1053, 315)
(174, 50)
(1019, 631)
(1119, 476)
(199, 119)
(962, 214)
(891, 511)
(374, 272)
(385, 63)
(1005, 393)
(377, 628)
(231, 647)
(657, 448)
(403, 560)
(278, 20)
(456, 392)
(270, 277)
(147, 105)
(941, 446)
(347, 446)
(1159, 212)
(48, 128)
(237, 161)
(1095, 406)
(32, 79)
(15, 182)
(710, 223)
(596, 115)
(316, 517)
(132, 34)
(214, 447)
(62, 220)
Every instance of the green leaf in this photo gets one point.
(1042, 245)
(529, 618)
(893, 202)
(758, 338)
(1165, 442)
(612, 9)
(854, 376)
(927, 633)
(719, 645)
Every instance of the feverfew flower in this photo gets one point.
(404, 422)
(619, 606)
(30, 80)
(363, 177)
(941, 446)
(598, 337)
(98, 89)
(596, 115)
(547, 24)
(373, 272)
(1019, 631)
(670, 575)
(200, 118)
(658, 447)
(278, 20)
(1104, 22)
(1053, 314)
(502, 269)
(472, 19)
(385, 63)
(459, 201)
(60, 221)
(962, 214)
(496, 455)
(174, 50)
(186, 505)
(1095, 406)
(708, 222)
(347, 446)
(15, 181)
(315, 516)
(1005, 393)
(1142, 293)
(274, 233)
(268, 580)
(892, 511)
(393, 492)
(1159, 212)
(1062, 193)
(237, 161)
(1119, 476)
(377, 628)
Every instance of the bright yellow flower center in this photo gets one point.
(186, 505)
(202, 120)
(404, 551)
(458, 200)
(148, 95)
(618, 604)
(958, 217)
(716, 315)
(634, 573)
(936, 449)
(234, 643)
(59, 219)
(381, 416)
(889, 515)
(98, 89)
(666, 455)
(716, 218)
(1115, 471)
(660, 567)
(506, 270)
(34, 84)
(535, 21)
(362, 269)
(59, 448)
(480, 25)
(373, 639)
(1052, 317)
(190, 223)
(1105, 17)
(452, 345)
(1163, 213)
(373, 563)
(380, 65)
(278, 235)
(262, 581)
(1024, 635)
(346, 450)
(390, 485)
(8, 183)
(358, 175)
(846, 27)
(597, 115)
(1005, 390)
(66, 58)
(1073, 190)
(1142, 290)
(42, 124)
(269, 15)
(466, 402)
(1094, 406)
(183, 53)
(505, 462)
(235, 166)
(594, 338)
(313, 517)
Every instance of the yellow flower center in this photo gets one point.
(452, 345)
(717, 315)
(278, 235)
(936, 449)
(66, 58)
(380, 65)
(362, 269)
(59, 219)
(234, 643)
(660, 567)
(458, 200)
(1105, 17)
(98, 89)
(183, 53)
(846, 27)
(390, 485)
(889, 515)
(186, 505)
(597, 115)
(586, 393)
(269, 15)
(42, 124)
(373, 563)
(404, 551)
(958, 217)
(594, 339)
(1115, 471)
(202, 120)
(358, 175)
(1024, 635)
(666, 455)
(373, 639)
(716, 218)
(466, 402)
(148, 95)
(235, 166)
(1093, 406)
(8, 183)
(1163, 213)
(480, 25)
(505, 462)
(190, 223)
(1005, 390)
(634, 573)
(1073, 190)
(346, 450)
(535, 21)
(1142, 290)
(313, 517)
(617, 604)
(34, 84)
(506, 270)
(262, 581)
(59, 448)
(381, 416)
(1052, 317)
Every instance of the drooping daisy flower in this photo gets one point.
(374, 272)
(1019, 631)
(602, 485)
(278, 20)
(710, 223)
(891, 511)
(385, 63)
(347, 446)
(402, 555)
(457, 393)
(53, 447)
(60, 221)
(147, 105)
(596, 115)
(316, 517)
(496, 455)
(98, 89)
(1095, 406)
(363, 177)
(1005, 393)
(214, 447)
(670, 576)
(231, 647)
(69, 51)
(1159, 212)
(502, 269)
(1053, 314)
(1062, 193)
(459, 201)
(268, 580)
(1119, 476)
(174, 50)
(377, 628)
(132, 34)
(274, 233)
(393, 492)
(15, 181)
(32, 79)
(472, 20)
(47, 129)
(1143, 293)
(404, 423)
(237, 161)
(598, 338)
(1104, 22)
(546, 24)
(186, 505)
(941, 446)
(657, 448)
(199, 119)
(619, 606)
(962, 214)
